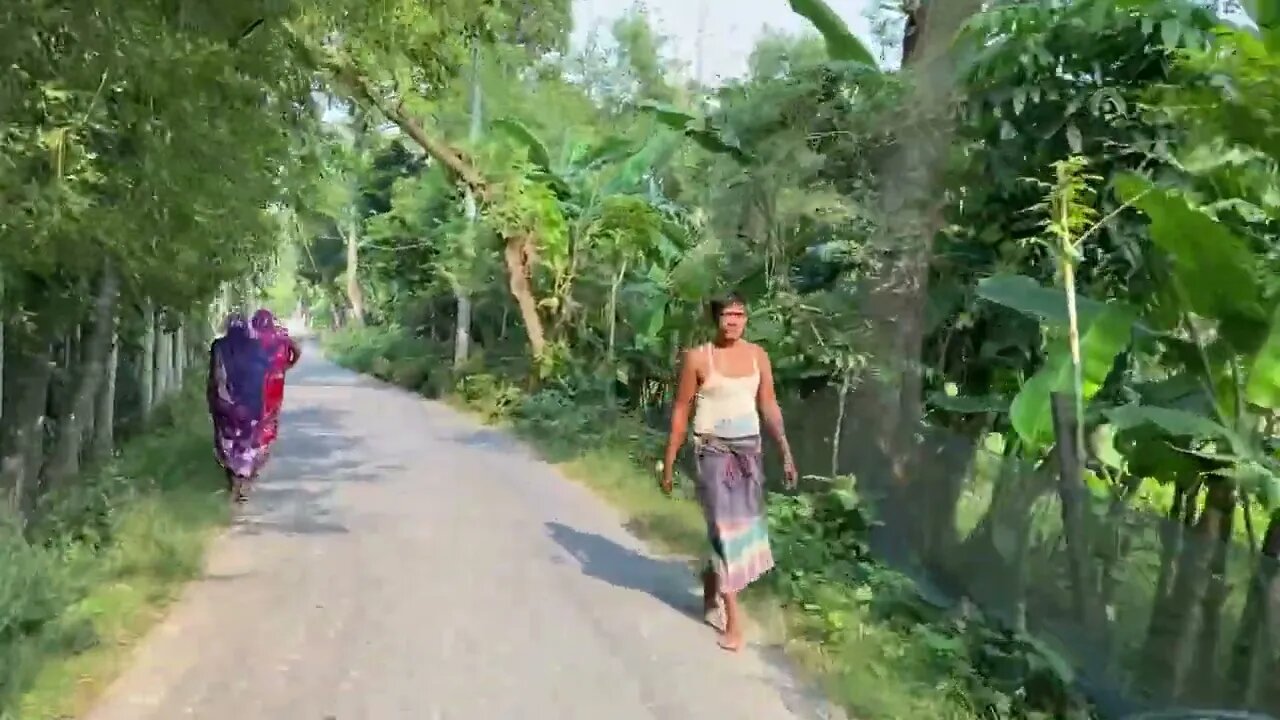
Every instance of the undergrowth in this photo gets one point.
(882, 649)
(104, 556)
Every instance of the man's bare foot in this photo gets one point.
(732, 643)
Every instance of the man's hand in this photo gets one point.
(667, 481)
(789, 476)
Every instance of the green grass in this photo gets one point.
(873, 669)
(107, 558)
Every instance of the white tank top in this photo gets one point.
(726, 406)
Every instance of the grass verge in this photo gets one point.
(98, 568)
(867, 633)
(873, 673)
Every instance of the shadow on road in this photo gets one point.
(487, 439)
(603, 559)
(669, 581)
(313, 456)
(289, 511)
(315, 446)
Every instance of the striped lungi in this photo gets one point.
(731, 492)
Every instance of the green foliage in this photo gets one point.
(149, 150)
(117, 148)
(538, 153)
(1102, 340)
(1026, 296)
(841, 43)
(1263, 387)
(1210, 265)
(639, 195)
(697, 129)
(820, 545)
(1177, 423)
(141, 521)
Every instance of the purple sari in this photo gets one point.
(282, 354)
(238, 368)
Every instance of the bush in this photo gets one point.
(413, 372)
(34, 586)
(392, 355)
(139, 522)
(364, 349)
(494, 397)
(820, 539)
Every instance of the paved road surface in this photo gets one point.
(400, 561)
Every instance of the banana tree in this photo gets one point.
(1206, 423)
(616, 216)
(1227, 341)
(349, 46)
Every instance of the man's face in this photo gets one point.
(733, 321)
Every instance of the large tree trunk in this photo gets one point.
(147, 363)
(179, 356)
(105, 422)
(462, 327)
(1180, 517)
(519, 272)
(461, 293)
(355, 294)
(612, 350)
(910, 180)
(164, 365)
(62, 388)
(28, 373)
(64, 460)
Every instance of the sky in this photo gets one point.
(731, 27)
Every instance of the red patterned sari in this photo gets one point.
(283, 353)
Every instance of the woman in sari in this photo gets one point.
(729, 385)
(237, 372)
(283, 353)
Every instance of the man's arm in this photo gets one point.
(686, 387)
(771, 414)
